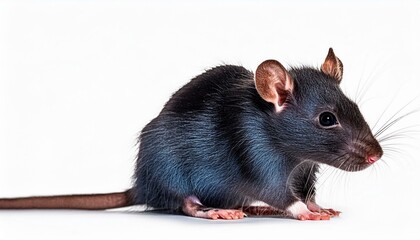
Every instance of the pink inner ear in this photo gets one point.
(333, 66)
(273, 83)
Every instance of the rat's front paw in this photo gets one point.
(313, 207)
(331, 212)
(300, 211)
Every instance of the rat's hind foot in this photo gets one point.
(313, 207)
(193, 207)
(214, 213)
(313, 216)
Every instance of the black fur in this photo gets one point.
(217, 139)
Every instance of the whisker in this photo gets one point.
(391, 150)
(311, 192)
(367, 83)
(320, 184)
(391, 122)
(307, 181)
(394, 119)
(385, 163)
(335, 178)
(396, 136)
(356, 97)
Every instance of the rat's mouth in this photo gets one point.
(356, 161)
(356, 167)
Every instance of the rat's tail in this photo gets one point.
(83, 201)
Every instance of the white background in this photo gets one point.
(79, 80)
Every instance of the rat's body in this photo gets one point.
(215, 140)
(229, 138)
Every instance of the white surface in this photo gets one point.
(79, 79)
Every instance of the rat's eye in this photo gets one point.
(327, 120)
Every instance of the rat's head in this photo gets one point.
(322, 124)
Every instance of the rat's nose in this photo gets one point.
(374, 153)
(372, 158)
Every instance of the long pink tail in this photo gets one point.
(82, 201)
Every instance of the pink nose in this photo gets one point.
(372, 159)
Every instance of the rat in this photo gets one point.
(230, 138)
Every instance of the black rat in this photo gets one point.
(229, 138)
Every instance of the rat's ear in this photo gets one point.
(273, 83)
(333, 66)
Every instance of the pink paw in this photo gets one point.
(313, 207)
(313, 216)
(194, 208)
(227, 214)
(331, 212)
(300, 211)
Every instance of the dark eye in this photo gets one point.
(327, 119)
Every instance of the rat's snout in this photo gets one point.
(374, 154)
(363, 152)
(373, 158)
